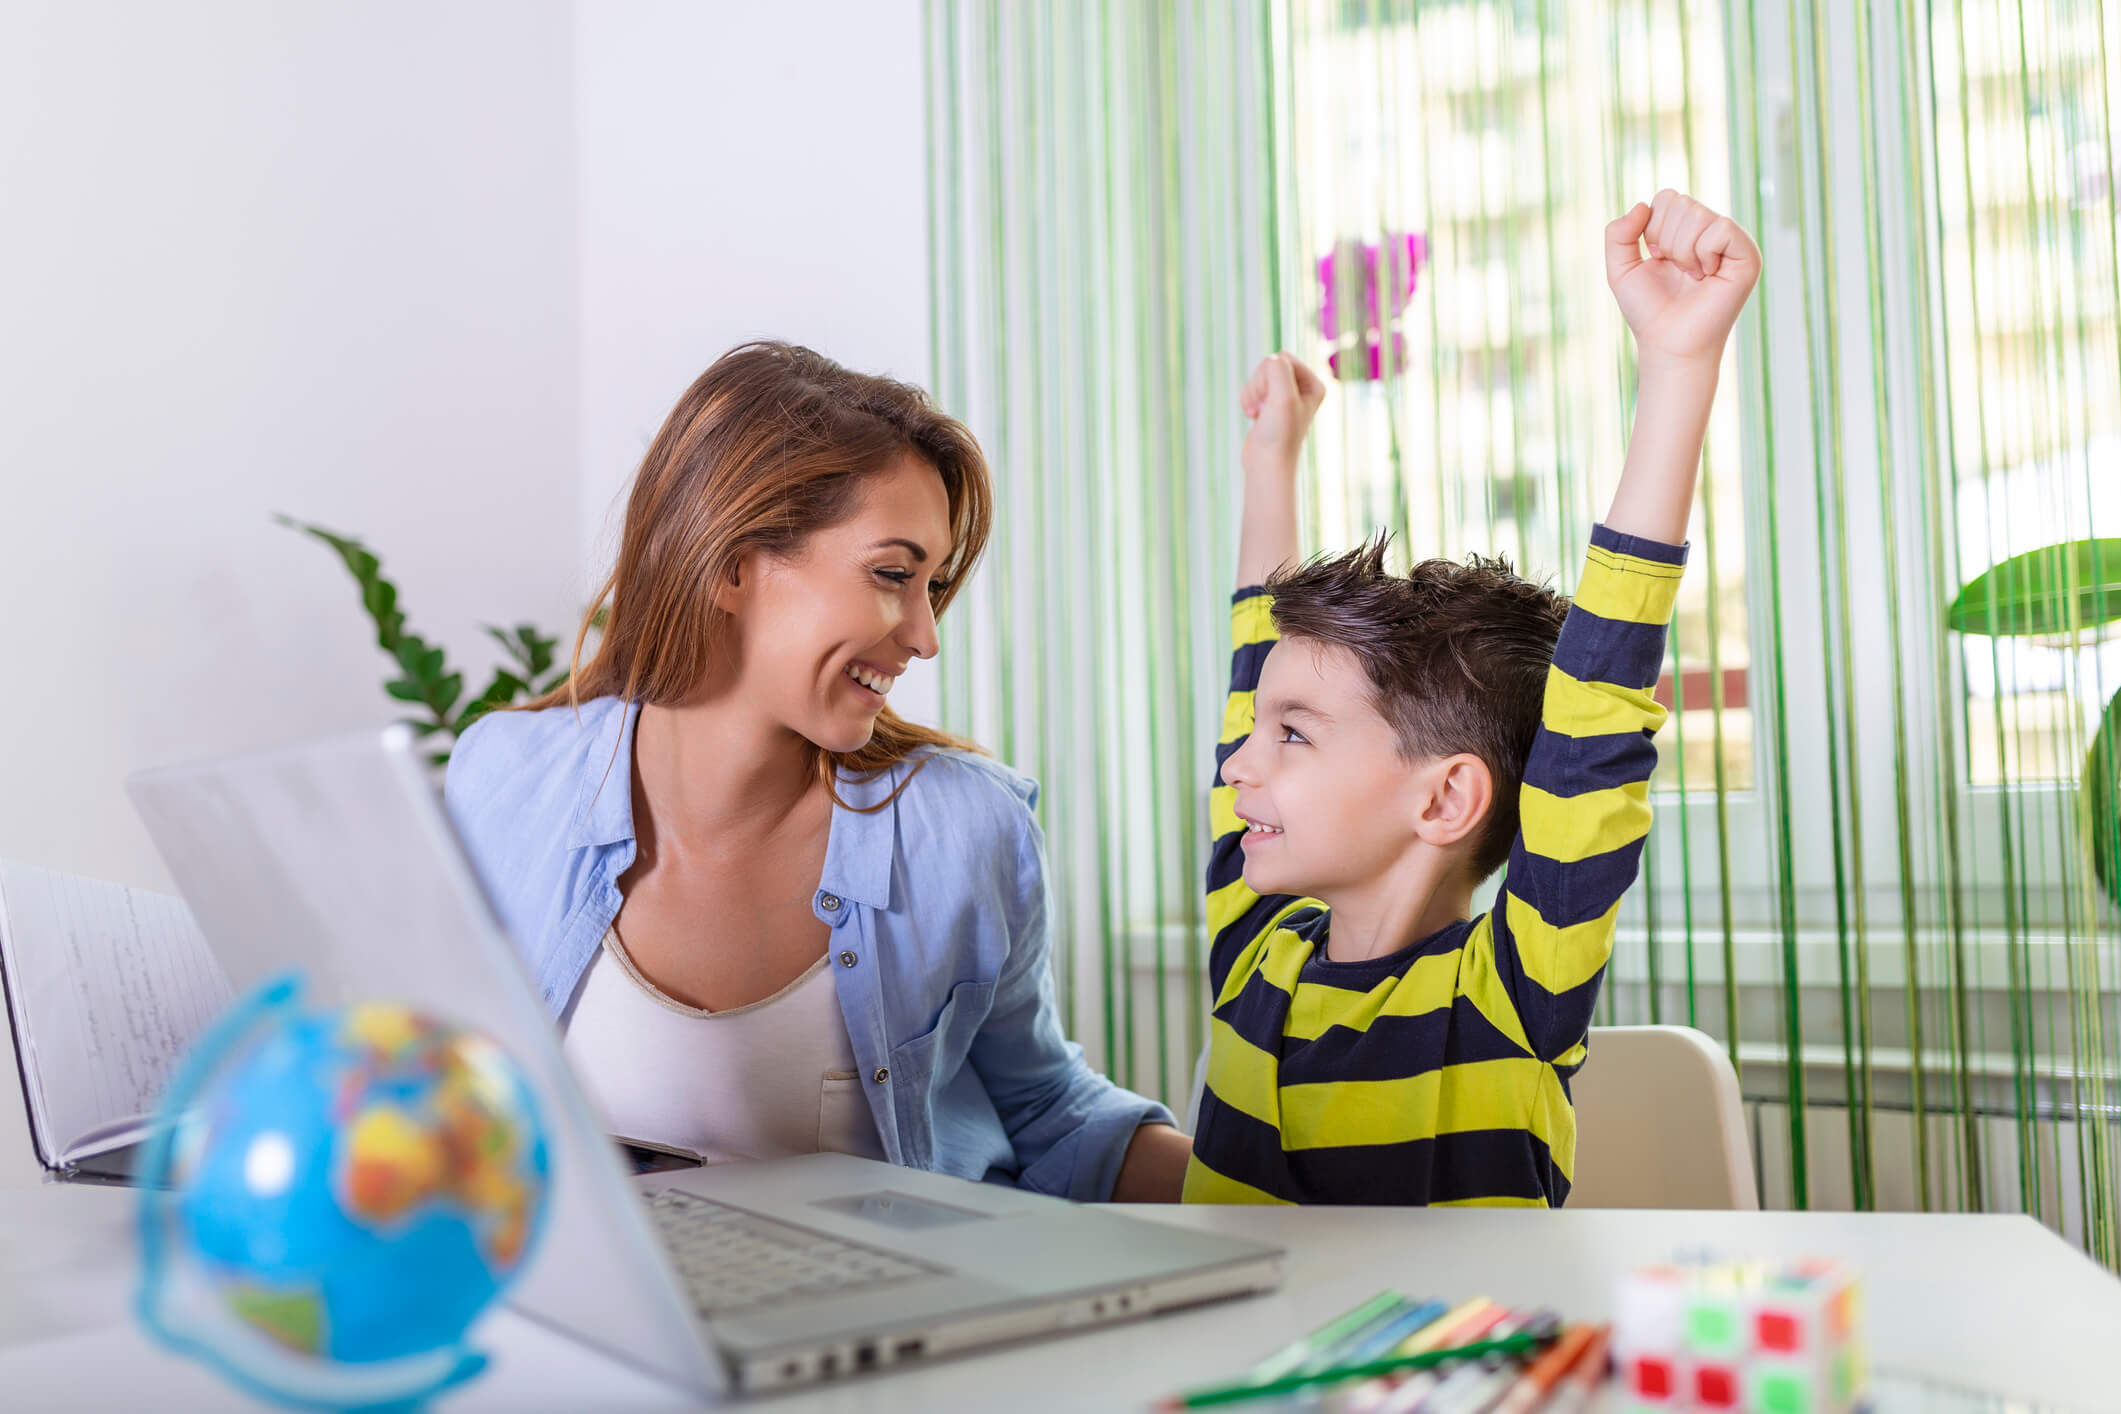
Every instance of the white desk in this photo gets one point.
(1959, 1298)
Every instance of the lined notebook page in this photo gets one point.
(107, 985)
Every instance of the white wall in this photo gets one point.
(429, 273)
(748, 171)
(315, 258)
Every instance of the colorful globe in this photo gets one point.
(333, 1198)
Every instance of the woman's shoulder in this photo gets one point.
(512, 759)
(963, 805)
(952, 777)
(964, 823)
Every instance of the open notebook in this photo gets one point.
(106, 986)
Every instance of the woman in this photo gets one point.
(773, 917)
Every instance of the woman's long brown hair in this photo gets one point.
(769, 445)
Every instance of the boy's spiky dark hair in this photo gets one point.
(1456, 653)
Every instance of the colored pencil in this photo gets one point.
(1464, 1323)
(1533, 1387)
(1327, 1336)
(1233, 1393)
(1580, 1387)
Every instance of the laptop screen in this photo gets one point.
(335, 859)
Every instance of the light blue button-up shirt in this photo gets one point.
(938, 911)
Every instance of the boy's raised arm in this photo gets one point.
(1280, 398)
(1681, 301)
(1583, 806)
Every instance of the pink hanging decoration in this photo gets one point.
(1408, 258)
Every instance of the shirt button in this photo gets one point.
(846, 959)
(829, 902)
(881, 1075)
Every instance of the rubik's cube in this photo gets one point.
(1739, 1338)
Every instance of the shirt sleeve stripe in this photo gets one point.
(1592, 763)
(1570, 828)
(1580, 707)
(1595, 649)
(1559, 959)
(1575, 892)
(1655, 552)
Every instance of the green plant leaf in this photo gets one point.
(531, 650)
(541, 649)
(507, 641)
(380, 597)
(2102, 797)
(501, 691)
(2054, 590)
(411, 654)
(424, 678)
(552, 684)
(477, 708)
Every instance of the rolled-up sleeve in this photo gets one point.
(1069, 1125)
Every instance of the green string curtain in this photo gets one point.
(1100, 283)
(1883, 869)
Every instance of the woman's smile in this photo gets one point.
(871, 682)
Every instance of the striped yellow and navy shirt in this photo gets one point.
(1440, 1073)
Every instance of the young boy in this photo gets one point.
(1369, 1043)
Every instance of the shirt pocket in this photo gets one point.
(942, 1047)
(845, 1124)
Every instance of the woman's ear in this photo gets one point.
(1453, 803)
(743, 571)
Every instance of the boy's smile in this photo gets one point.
(1322, 789)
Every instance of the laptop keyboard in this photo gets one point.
(732, 1260)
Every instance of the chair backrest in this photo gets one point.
(1659, 1123)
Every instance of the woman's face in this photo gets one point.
(822, 636)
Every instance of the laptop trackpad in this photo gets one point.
(902, 1211)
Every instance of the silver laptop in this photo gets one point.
(336, 859)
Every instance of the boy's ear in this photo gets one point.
(1453, 801)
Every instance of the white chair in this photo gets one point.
(1659, 1122)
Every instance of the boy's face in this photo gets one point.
(1322, 771)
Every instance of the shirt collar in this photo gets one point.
(864, 840)
(858, 852)
(604, 812)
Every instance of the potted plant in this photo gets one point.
(424, 677)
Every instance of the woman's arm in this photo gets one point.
(1076, 1134)
(1154, 1170)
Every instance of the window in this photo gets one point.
(1487, 144)
(2026, 197)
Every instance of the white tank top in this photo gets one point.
(762, 1081)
